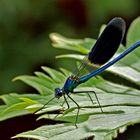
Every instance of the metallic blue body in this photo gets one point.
(87, 77)
(73, 81)
(102, 51)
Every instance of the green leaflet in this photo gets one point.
(121, 104)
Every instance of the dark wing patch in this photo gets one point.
(108, 42)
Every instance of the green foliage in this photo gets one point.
(121, 104)
(131, 67)
(25, 25)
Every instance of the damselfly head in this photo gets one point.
(58, 92)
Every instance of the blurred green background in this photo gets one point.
(25, 26)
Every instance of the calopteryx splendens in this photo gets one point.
(103, 50)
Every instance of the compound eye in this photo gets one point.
(58, 92)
